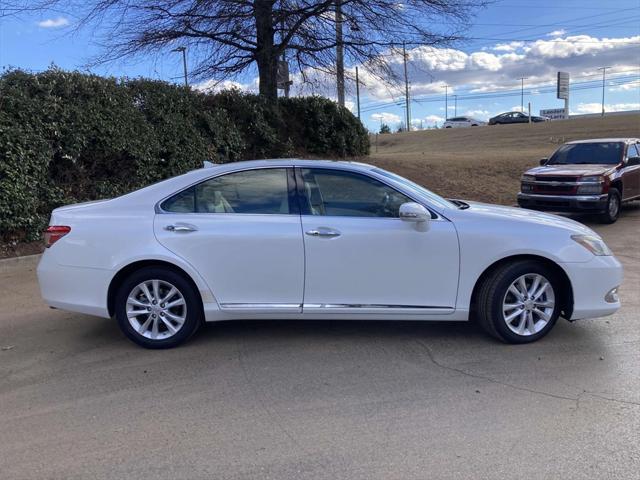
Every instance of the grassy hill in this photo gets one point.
(485, 163)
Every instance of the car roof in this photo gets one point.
(289, 162)
(607, 140)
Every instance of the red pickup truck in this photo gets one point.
(590, 176)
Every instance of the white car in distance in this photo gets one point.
(311, 239)
(462, 122)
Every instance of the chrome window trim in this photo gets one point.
(158, 210)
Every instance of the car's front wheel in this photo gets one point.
(612, 209)
(157, 308)
(519, 302)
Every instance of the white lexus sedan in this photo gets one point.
(310, 239)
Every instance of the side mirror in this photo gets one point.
(543, 161)
(633, 161)
(414, 212)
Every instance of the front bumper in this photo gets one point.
(563, 203)
(591, 282)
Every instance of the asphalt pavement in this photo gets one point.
(320, 400)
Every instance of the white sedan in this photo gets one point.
(462, 122)
(310, 239)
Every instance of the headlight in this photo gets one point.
(589, 189)
(528, 178)
(592, 178)
(593, 244)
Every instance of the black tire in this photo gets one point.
(192, 303)
(612, 209)
(493, 292)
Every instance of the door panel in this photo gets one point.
(360, 257)
(380, 262)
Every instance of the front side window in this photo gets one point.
(633, 151)
(262, 191)
(348, 194)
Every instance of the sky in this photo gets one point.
(508, 40)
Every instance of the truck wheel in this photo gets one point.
(519, 302)
(612, 210)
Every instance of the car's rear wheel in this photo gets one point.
(612, 209)
(157, 308)
(519, 302)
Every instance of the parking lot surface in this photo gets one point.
(321, 400)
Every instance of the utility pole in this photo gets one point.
(184, 62)
(455, 105)
(406, 86)
(522, 79)
(339, 53)
(358, 92)
(446, 102)
(604, 76)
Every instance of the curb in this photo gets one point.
(14, 261)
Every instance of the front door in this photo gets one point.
(631, 174)
(241, 231)
(361, 258)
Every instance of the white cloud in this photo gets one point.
(212, 86)
(54, 22)
(386, 117)
(499, 68)
(557, 33)
(478, 114)
(626, 87)
(597, 107)
(434, 119)
(508, 47)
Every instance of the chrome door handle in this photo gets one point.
(323, 232)
(181, 228)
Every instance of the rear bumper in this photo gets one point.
(563, 203)
(76, 289)
(591, 282)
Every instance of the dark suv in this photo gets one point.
(591, 176)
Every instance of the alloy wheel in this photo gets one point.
(528, 304)
(156, 309)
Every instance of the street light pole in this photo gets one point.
(406, 87)
(604, 76)
(522, 79)
(358, 92)
(184, 62)
(339, 54)
(446, 102)
(455, 105)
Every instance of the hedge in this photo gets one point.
(67, 137)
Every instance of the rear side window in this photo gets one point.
(263, 191)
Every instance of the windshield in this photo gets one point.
(435, 199)
(609, 153)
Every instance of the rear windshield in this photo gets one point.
(609, 153)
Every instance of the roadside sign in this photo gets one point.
(553, 113)
(563, 85)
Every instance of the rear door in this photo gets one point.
(241, 231)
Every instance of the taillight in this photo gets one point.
(53, 233)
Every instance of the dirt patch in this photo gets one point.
(485, 163)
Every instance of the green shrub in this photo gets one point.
(67, 137)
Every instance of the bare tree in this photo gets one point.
(227, 37)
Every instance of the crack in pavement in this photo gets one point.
(575, 400)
